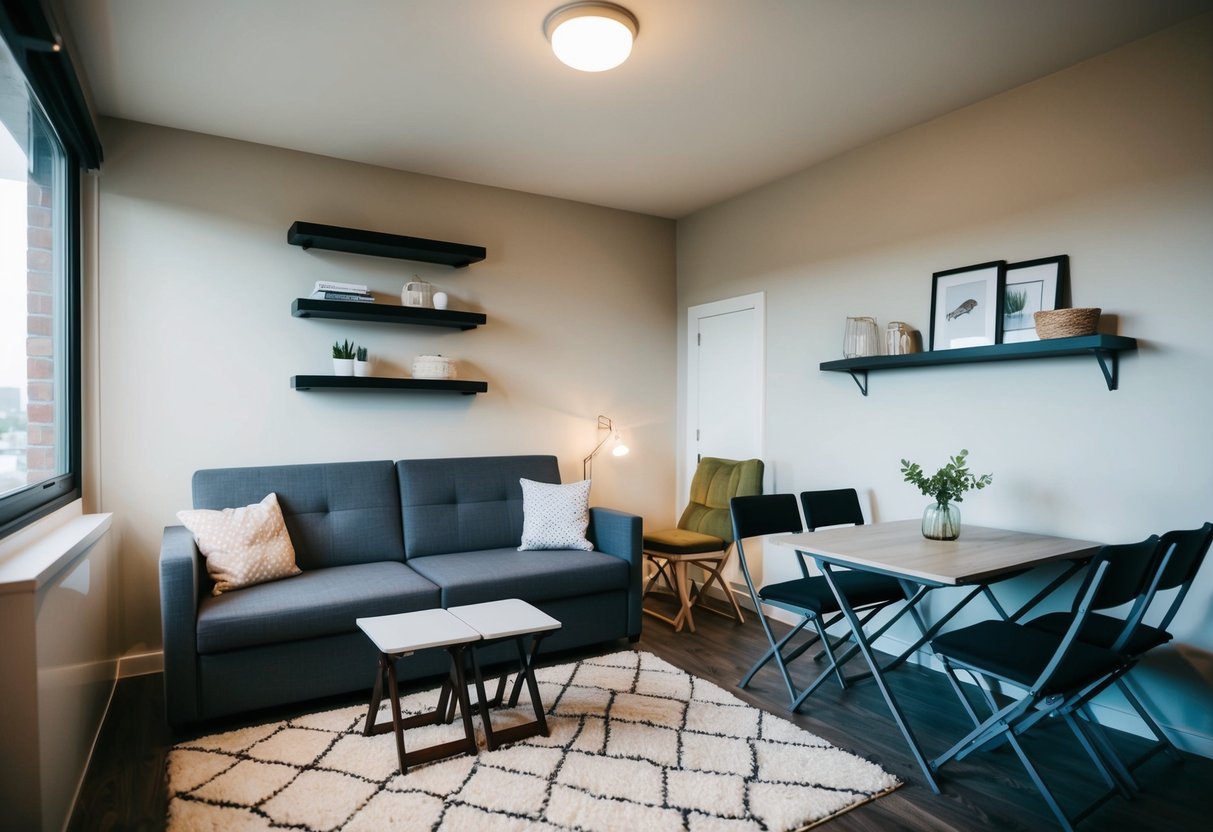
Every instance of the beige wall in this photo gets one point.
(1110, 162)
(197, 344)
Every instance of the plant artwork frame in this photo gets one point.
(1031, 286)
(966, 306)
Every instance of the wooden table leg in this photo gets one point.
(397, 726)
(454, 690)
(498, 737)
(376, 697)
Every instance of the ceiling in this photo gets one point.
(719, 96)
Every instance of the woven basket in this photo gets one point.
(1066, 323)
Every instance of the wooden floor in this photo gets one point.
(124, 788)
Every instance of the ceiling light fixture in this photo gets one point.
(591, 36)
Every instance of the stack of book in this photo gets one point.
(330, 290)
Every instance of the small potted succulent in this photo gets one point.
(361, 365)
(941, 519)
(343, 358)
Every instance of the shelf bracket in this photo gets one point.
(863, 385)
(1111, 375)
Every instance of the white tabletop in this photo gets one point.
(898, 548)
(503, 619)
(408, 631)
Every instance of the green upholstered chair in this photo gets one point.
(704, 537)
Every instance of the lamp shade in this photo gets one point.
(591, 37)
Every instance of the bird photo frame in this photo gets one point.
(967, 305)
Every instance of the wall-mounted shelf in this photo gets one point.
(377, 244)
(1105, 348)
(406, 385)
(386, 313)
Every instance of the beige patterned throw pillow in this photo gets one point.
(555, 516)
(243, 546)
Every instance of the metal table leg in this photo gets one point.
(862, 642)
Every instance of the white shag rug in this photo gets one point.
(636, 744)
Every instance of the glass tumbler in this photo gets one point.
(861, 338)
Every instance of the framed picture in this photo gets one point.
(966, 306)
(1031, 286)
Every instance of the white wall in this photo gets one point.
(197, 345)
(1110, 162)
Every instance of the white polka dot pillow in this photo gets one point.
(243, 546)
(555, 516)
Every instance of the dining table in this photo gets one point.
(980, 557)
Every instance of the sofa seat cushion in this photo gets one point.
(492, 574)
(318, 602)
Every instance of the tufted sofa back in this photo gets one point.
(467, 504)
(336, 513)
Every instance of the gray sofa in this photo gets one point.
(374, 538)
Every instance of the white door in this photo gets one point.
(725, 376)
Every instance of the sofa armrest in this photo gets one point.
(619, 534)
(180, 590)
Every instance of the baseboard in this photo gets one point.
(141, 664)
(1110, 716)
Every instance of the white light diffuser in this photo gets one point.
(591, 37)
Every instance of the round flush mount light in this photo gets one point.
(591, 37)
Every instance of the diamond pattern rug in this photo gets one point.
(635, 744)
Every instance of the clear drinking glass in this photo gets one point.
(861, 338)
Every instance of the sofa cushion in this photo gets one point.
(463, 505)
(337, 513)
(242, 546)
(319, 602)
(555, 516)
(474, 577)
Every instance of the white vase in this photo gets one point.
(440, 300)
(362, 368)
(343, 366)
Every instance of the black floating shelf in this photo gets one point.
(408, 385)
(1105, 348)
(378, 244)
(387, 313)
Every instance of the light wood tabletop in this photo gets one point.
(899, 549)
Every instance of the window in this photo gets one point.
(46, 137)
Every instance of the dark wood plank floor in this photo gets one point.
(124, 788)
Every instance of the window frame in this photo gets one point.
(54, 86)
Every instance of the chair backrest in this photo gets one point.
(1131, 566)
(1191, 546)
(717, 481)
(764, 514)
(756, 515)
(1127, 576)
(833, 507)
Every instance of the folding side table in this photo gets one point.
(403, 634)
(498, 621)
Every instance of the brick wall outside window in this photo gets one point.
(41, 455)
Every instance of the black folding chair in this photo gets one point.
(809, 596)
(1058, 673)
(1182, 553)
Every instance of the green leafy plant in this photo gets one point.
(949, 483)
(362, 353)
(1014, 302)
(341, 350)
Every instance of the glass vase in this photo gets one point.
(941, 521)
